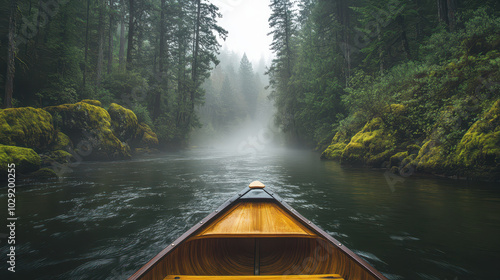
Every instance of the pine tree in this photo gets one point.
(247, 83)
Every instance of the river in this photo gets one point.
(105, 220)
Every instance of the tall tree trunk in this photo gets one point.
(121, 54)
(442, 11)
(161, 62)
(110, 36)
(131, 30)
(100, 52)
(37, 35)
(26, 44)
(181, 77)
(404, 38)
(194, 70)
(344, 18)
(11, 55)
(162, 36)
(452, 13)
(287, 41)
(381, 54)
(86, 45)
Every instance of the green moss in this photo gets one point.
(92, 102)
(149, 139)
(124, 123)
(89, 128)
(373, 145)
(59, 156)
(42, 174)
(26, 127)
(396, 109)
(431, 158)
(62, 142)
(25, 159)
(397, 159)
(478, 153)
(353, 153)
(335, 149)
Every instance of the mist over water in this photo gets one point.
(237, 115)
(247, 137)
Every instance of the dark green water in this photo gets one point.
(105, 220)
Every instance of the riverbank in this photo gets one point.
(46, 142)
(446, 122)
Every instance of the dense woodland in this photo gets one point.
(149, 56)
(338, 63)
(424, 72)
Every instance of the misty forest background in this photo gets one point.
(337, 64)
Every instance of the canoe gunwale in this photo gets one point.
(149, 265)
(328, 237)
(236, 199)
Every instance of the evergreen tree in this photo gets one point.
(247, 83)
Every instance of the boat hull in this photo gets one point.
(256, 233)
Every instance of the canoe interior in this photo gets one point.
(262, 235)
(255, 219)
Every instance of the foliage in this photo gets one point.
(63, 51)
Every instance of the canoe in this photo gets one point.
(256, 235)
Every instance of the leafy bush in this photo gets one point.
(142, 114)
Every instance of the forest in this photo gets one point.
(149, 56)
(405, 85)
(396, 84)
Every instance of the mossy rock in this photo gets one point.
(92, 102)
(373, 145)
(149, 139)
(397, 159)
(89, 128)
(478, 152)
(25, 159)
(62, 142)
(354, 153)
(59, 156)
(335, 149)
(124, 123)
(431, 158)
(42, 174)
(26, 127)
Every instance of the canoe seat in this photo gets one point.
(260, 277)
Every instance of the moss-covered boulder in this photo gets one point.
(42, 174)
(478, 153)
(336, 148)
(92, 102)
(26, 127)
(376, 142)
(124, 123)
(89, 128)
(431, 158)
(373, 145)
(57, 156)
(61, 142)
(25, 159)
(148, 139)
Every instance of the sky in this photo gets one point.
(247, 26)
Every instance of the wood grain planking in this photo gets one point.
(255, 219)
